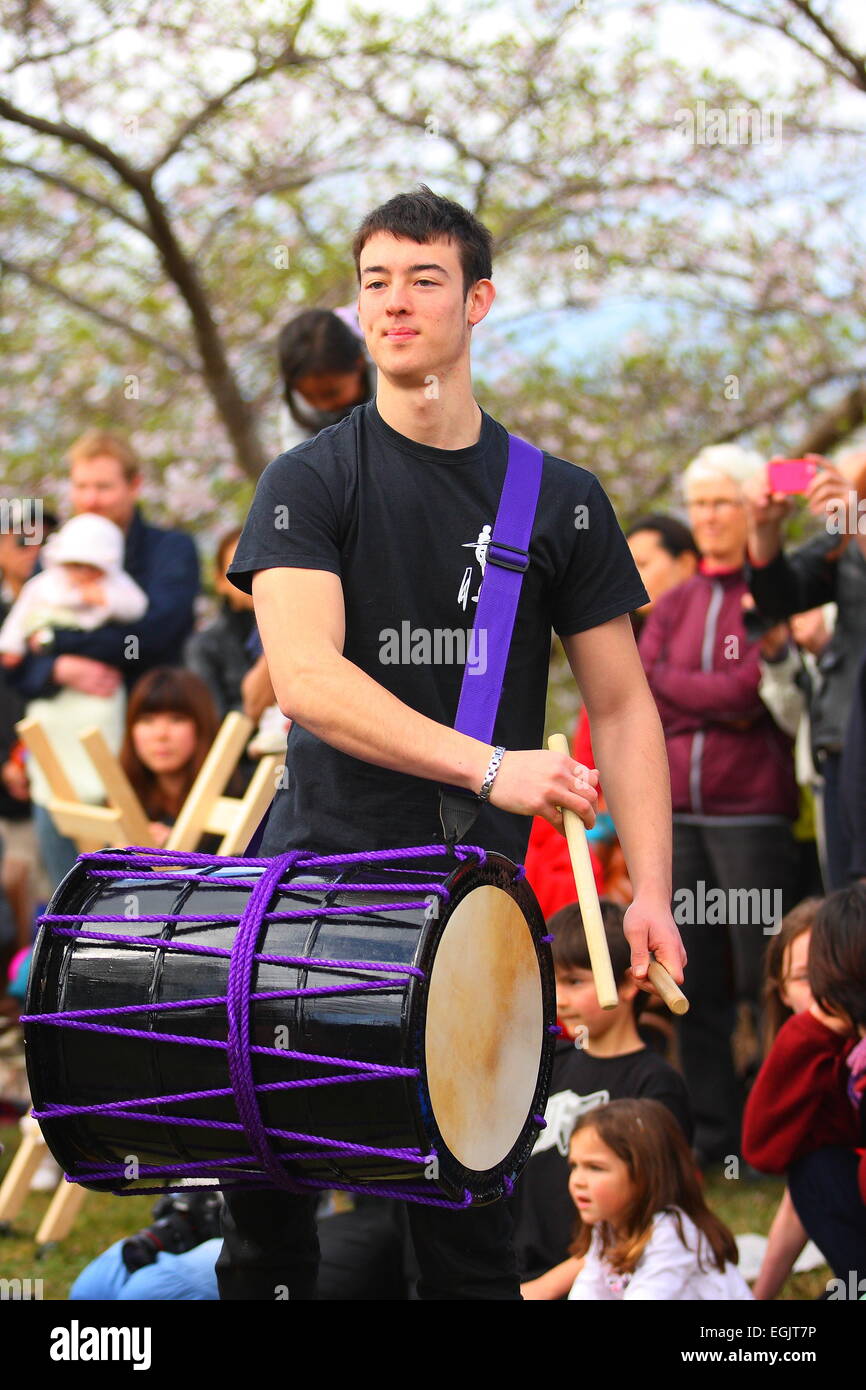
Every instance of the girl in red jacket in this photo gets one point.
(805, 1114)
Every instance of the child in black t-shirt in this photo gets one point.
(600, 1057)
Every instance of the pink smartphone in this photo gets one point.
(790, 475)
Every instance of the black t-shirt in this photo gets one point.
(405, 527)
(543, 1212)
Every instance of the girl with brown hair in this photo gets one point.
(786, 992)
(171, 722)
(786, 969)
(804, 1114)
(644, 1227)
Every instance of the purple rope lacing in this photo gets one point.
(242, 957)
(251, 1182)
(238, 1006)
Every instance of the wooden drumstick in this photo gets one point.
(584, 879)
(668, 988)
(578, 850)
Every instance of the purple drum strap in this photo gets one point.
(506, 562)
(265, 1161)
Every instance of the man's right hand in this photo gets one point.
(538, 782)
(84, 675)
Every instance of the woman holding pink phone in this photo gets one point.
(829, 568)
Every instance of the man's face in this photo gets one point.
(415, 317)
(99, 485)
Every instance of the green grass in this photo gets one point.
(747, 1205)
(743, 1205)
(101, 1221)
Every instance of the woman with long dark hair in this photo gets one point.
(171, 722)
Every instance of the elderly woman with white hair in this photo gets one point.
(733, 788)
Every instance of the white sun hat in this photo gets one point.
(86, 539)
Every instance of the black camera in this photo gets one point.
(181, 1221)
(756, 624)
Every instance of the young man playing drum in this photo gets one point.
(364, 549)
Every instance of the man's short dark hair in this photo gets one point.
(674, 536)
(423, 217)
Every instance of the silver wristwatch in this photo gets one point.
(490, 775)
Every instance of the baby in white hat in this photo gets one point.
(82, 585)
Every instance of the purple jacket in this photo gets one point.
(727, 756)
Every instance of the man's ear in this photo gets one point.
(479, 301)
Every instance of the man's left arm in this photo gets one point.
(630, 754)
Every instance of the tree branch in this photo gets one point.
(775, 408)
(28, 59)
(93, 198)
(171, 353)
(836, 42)
(837, 422)
(551, 207)
(288, 58)
(235, 411)
(781, 26)
(74, 135)
(414, 121)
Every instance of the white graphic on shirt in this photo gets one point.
(480, 548)
(617, 1283)
(562, 1114)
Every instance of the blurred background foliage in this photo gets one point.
(176, 182)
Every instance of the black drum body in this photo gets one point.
(421, 1070)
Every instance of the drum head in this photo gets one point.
(484, 1028)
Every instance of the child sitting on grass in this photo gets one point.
(600, 1057)
(645, 1231)
(786, 992)
(804, 1115)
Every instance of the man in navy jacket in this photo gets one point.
(105, 479)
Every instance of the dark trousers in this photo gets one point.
(271, 1249)
(837, 840)
(362, 1254)
(725, 961)
(826, 1196)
